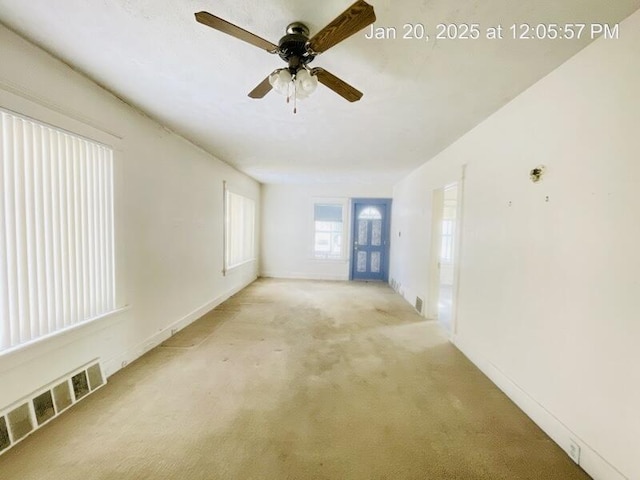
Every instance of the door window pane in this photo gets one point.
(370, 213)
(361, 266)
(363, 232)
(375, 262)
(376, 233)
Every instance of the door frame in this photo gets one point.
(433, 292)
(386, 228)
(433, 295)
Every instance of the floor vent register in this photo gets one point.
(24, 417)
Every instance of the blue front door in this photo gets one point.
(370, 236)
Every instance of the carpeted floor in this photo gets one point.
(296, 380)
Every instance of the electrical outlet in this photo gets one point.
(574, 451)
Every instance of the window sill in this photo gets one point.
(59, 338)
(329, 260)
(237, 266)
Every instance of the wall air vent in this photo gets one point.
(5, 442)
(22, 418)
(43, 407)
(419, 304)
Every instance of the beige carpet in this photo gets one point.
(296, 380)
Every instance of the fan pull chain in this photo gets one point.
(295, 99)
(292, 87)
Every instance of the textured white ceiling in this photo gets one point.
(419, 96)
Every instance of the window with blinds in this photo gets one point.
(240, 219)
(56, 230)
(328, 228)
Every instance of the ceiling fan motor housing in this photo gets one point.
(292, 48)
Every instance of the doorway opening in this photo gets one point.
(443, 255)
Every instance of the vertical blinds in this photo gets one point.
(56, 230)
(327, 213)
(240, 229)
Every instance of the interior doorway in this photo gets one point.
(443, 257)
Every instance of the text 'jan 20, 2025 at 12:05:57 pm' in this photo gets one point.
(416, 31)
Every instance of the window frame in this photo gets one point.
(345, 230)
(68, 123)
(228, 232)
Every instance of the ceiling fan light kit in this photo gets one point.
(298, 85)
(297, 81)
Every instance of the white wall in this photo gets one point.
(550, 291)
(168, 221)
(287, 228)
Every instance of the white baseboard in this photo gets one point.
(590, 460)
(112, 365)
(305, 276)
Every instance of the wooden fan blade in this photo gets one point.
(237, 32)
(262, 89)
(351, 21)
(339, 86)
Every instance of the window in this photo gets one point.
(328, 231)
(56, 230)
(240, 219)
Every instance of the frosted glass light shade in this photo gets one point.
(305, 83)
(280, 80)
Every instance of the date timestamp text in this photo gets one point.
(515, 31)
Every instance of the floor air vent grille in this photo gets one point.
(24, 417)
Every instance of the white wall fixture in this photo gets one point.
(536, 174)
(574, 451)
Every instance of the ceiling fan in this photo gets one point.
(298, 80)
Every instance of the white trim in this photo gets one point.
(230, 233)
(590, 460)
(325, 261)
(345, 202)
(238, 265)
(225, 228)
(57, 333)
(15, 99)
(38, 349)
(60, 263)
(453, 328)
(41, 123)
